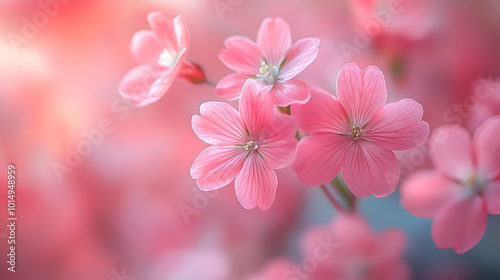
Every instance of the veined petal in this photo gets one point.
(452, 152)
(256, 109)
(299, 56)
(426, 192)
(398, 126)
(322, 113)
(320, 157)
(135, 85)
(217, 166)
(361, 92)
(242, 55)
(219, 124)
(370, 169)
(279, 146)
(146, 47)
(274, 38)
(461, 224)
(230, 87)
(256, 183)
(487, 147)
(491, 195)
(285, 93)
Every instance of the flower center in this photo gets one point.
(356, 132)
(476, 183)
(267, 72)
(167, 59)
(251, 145)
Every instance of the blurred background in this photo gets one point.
(127, 207)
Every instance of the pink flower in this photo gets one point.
(463, 188)
(273, 61)
(356, 133)
(162, 51)
(247, 146)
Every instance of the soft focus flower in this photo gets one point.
(356, 133)
(247, 146)
(273, 61)
(463, 188)
(162, 51)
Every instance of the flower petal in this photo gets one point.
(216, 167)
(425, 192)
(256, 183)
(487, 147)
(299, 56)
(398, 126)
(279, 146)
(173, 35)
(219, 124)
(256, 109)
(146, 47)
(322, 113)
(274, 38)
(285, 93)
(320, 157)
(242, 55)
(370, 169)
(361, 92)
(491, 194)
(135, 85)
(461, 224)
(230, 86)
(451, 151)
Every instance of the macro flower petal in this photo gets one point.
(274, 39)
(173, 34)
(398, 126)
(299, 56)
(491, 195)
(256, 183)
(256, 109)
(219, 124)
(361, 92)
(217, 166)
(135, 85)
(370, 169)
(279, 146)
(230, 86)
(486, 146)
(284, 93)
(146, 47)
(241, 55)
(460, 224)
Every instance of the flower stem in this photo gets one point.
(332, 199)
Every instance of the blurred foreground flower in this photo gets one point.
(163, 52)
(273, 61)
(463, 188)
(247, 146)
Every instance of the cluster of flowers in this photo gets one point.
(354, 132)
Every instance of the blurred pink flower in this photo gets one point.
(356, 133)
(273, 61)
(463, 188)
(162, 51)
(247, 146)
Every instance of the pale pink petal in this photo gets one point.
(491, 195)
(425, 192)
(322, 113)
(487, 147)
(285, 93)
(361, 92)
(320, 157)
(219, 124)
(256, 109)
(299, 56)
(370, 169)
(230, 86)
(452, 152)
(217, 166)
(181, 32)
(398, 126)
(274, 38)
(242, 55)
(146, 47)
(135, 85)
(279, 146)
(164, 29)
(391, 245)
(256, 183)
(461, 224)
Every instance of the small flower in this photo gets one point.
(464, 187)
(356, 133)
(162, 51)
(247, 145)
(273, 61)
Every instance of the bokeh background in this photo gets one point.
(129, 208)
